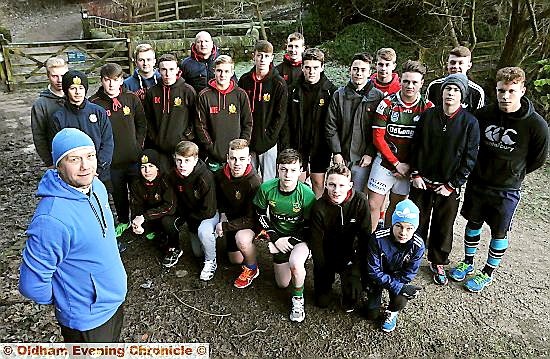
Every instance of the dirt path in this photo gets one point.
(509, 319)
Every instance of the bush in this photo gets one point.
(367, 37)
(542, 88)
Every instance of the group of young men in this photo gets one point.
(187, 143)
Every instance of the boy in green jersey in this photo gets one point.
(283, 205)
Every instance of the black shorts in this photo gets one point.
(282, 258)
(318, 162)
(496, 208)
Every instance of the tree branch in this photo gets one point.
(472, 25)
(533, 18)
(389, 27)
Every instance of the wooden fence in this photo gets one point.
(23, 63)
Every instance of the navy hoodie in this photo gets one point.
(71, 257)
(41, 117)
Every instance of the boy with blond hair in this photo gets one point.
(385, 79)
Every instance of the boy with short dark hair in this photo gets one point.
(268, 94)
(237, 185)
(288, 203)
(152, 201)
(308, 102)
(393, 130)
(223, 113)
(195, 190)
(129, 127)
(444, 153)
(170, 110)
(339, 220)
(390, 262)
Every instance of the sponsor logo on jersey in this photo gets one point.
(500, 137)
(403, 131)
(394, 116)
(296, 207)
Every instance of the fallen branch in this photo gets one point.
(199, 310)
(5, 303)
(256, 330)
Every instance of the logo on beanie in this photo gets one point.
(126, 110)
(93, 117)
(406, 213)
(232, 108)
(144, 159)
(177, 101)
(77, 80)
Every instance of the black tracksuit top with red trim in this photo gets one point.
(288, 70)
(128, 122)
(170, 112)
(152, 200)
(268, 101)
(222, 116)
(235, 197)
(195, 194)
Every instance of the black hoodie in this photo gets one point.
(511, 145)
(41, 117)
(235, 195)
(170, 112)
(268, 101)
(195, 194)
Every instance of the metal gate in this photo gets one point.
(23, 64)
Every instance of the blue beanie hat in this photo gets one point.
(406, 211)
(68, 140)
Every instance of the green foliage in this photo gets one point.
(367, 37)
(542, 87)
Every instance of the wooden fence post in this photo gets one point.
(177, 3)
(3, 70)
(157, 16)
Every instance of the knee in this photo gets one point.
(244, 238)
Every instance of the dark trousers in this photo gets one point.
(167, 225)
(374, 299)
(438, 214)
(108, 332)
(323, 279)
(121, 178)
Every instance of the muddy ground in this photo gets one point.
(509, 319)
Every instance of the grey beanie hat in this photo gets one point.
(459, 80)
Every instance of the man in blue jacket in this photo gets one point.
(71, 258)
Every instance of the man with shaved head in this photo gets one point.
(198, 68)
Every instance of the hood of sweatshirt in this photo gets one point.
(247, 173)
(222, 93)
(199, 57)
(286, 58)
(49, 94)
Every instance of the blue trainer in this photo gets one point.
(390, 321)
(478, 282)
(460, 272)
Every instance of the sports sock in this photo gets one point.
(497, 247)
(471, 241)
(251, 266)
(298, 291)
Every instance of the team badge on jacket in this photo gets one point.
(196, 193)
(266, 97)
(126, 110)
(321, 102)
(238, 194)
(232, 108)
(157, 196)
(93, 117)
(177, 101)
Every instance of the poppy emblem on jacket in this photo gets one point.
(177, 101)
(296, 207)
(196, 193)
(238, 195)
(93, 117)
(267, 97)
(77, 80)
(126, 110)
(232, 108)
(144, 159)
(322, 102)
